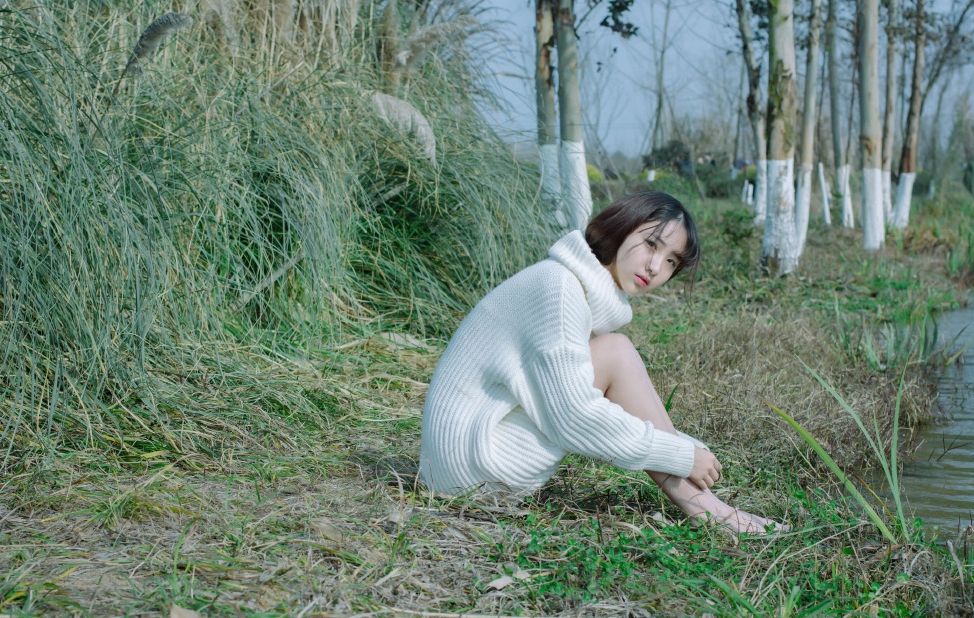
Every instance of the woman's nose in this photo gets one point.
(654, 263)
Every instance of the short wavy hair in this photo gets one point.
(609, 229)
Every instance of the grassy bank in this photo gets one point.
(226, 285)
(331, 523)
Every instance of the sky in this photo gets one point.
(702, 67)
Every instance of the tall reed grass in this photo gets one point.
(171, 252)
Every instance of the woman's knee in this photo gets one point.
(611, 353)
(611, 344)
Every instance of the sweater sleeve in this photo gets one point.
(575, 415)
(697, 443)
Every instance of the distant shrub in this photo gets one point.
(679, 187)
(594, 175)
(671, 156)
(737, 228)
(717, 182)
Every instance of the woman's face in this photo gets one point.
(643, 262)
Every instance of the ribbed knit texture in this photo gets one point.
(513, 392)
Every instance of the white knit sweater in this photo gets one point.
(513, 392)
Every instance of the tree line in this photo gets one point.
(842, 44)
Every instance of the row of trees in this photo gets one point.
(786, 219)
(783, 125)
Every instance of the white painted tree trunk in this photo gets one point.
(575, 191)
(873, 220)
(780, 237)
(544, 84)
(760, 196)
(807, 153)
(824, 188)
(888, 195)
(848, 218)
(750, 195)
(904, 195)
(908, 160)
(889, 117)
(803, 203)
(779, 250)
(755, 111)
(870, 133)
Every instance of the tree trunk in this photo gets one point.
(576, 194)
(660, 86)
(870, 134)
(934, 141)
(735, 153)
(779, 250)
(889, 120)
(835, 99)
(544, 84)
(804, 199)
(824, 187)
(755, 113)
(908, 160)
(826, 196)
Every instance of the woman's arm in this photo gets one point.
(574, 414)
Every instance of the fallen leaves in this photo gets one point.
(506, 580)
(328, 530)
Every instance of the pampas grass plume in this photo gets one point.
(403, 116)
(153, 36)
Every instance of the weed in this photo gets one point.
(886, 460)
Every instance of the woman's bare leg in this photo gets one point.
(621, 376)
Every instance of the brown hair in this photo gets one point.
(610, 228)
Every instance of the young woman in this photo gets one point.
(535, 372)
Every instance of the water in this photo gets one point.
(938, 480)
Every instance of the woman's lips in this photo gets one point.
(642, 281)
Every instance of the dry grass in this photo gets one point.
(728, 371)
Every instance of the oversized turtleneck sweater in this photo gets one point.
(514, 391)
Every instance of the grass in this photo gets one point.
(226, 288)
(332, 525)
(216, 220)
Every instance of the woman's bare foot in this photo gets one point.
(703, 506)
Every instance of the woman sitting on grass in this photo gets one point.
(535, 371)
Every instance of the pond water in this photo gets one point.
(938, 481)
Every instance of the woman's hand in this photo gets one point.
(706, 469)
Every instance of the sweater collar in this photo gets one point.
(608, 303)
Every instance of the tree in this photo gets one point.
(780, 245)
(575, 191)
(889, 119)
(870, 136)
(908, 158)
(544, 82)
(660, 88)
(755, 112)
(809, 117)
(835, 97)
(953, 43)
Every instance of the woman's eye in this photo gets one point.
(672, 263)
(651, 243)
